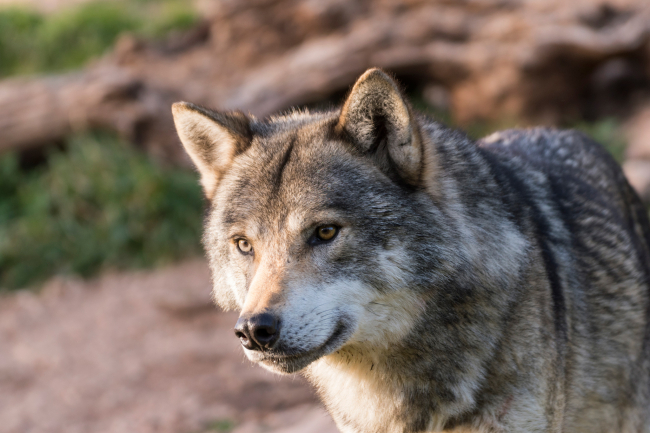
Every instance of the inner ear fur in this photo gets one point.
(211, 139)
(380, 123)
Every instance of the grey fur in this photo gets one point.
(498, 286)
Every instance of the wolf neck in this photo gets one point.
(434, 374)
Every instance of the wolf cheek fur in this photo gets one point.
(496, 286)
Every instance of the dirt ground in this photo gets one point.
(138, 352)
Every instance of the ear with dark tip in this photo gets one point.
(211, 139)
(379, 121)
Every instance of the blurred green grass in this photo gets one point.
(220, 426)
(32, 42)
(100, 204)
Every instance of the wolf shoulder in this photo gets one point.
(576, 184)
(565, 153)
(569, 160)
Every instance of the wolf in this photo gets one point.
(423, 281)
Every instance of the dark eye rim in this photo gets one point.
(314, 239)
(246, 253)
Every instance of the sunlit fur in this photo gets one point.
(491, 286)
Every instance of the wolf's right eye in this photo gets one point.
(244, 246)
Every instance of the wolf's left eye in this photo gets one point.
(326, 233)
(323, 234)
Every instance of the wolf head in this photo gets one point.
(318, 223)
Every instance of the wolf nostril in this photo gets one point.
(242, 332)
(264, 332)
(264, 335)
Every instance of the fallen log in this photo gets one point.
(539, 61)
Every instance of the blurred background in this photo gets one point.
(106, 323)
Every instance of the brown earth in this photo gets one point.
(138, 352)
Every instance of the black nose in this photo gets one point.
(258, 332)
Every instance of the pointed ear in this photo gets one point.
(211, 139)
(379, 121)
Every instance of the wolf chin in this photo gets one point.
(423, 281)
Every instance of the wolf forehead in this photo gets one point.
(300, 164)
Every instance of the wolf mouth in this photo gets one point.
(292, 362)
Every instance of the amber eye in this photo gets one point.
(326, 233)
(244, 246)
